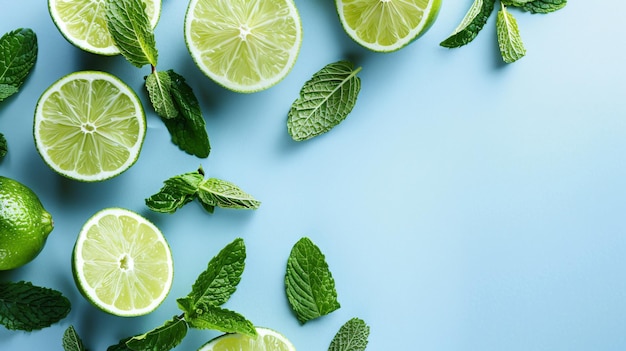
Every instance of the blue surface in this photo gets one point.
(464, 204)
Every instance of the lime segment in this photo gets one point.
(122, 263)
(89, 126)
(244, 45)
(386, 25)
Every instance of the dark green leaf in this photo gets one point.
(176, 192)
(220, 193)
(130, 29)
(544, 6)
(325, 101)
(18, 54)
(159, 86)
(188, 130)
(163, 338)
(471, 25)
(121, 346)
(309, 284)
(71, 340)
(27, 307)
(352, 336)
(3, 146)
(207, 316)
(509, 39)
(219, 281)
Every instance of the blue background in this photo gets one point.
(464, 204)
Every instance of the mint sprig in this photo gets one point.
(309, 283)
(325, 101)
(172, 99)
(508, 33)
(202, 306)
(24, 306)
(212, 192)
(352, 336)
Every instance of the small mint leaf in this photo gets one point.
(163, 338)
(130, 29)
(325, 101)
(544, 6)
(473, 22)
(71, 340)
(309, 283)
(159, 86)
(220, 193)
(207, 316)
(176, 192)
(509, 39)
(18, 54)
(352, 336)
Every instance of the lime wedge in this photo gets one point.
(89, 126)
(386, 25)
(122, 263)
(83, 23)
(267, 339)
(244, 45)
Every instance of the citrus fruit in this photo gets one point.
(244, 45)
(122, 263)
(386, 25)
(24, 224)
(83, 23)
(89, 126)
(267, 339)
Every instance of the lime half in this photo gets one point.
(83, 23)
(266, 340)
(89, 126)
(122, 263)
(386, 25)
(244, 45)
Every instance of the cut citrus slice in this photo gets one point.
(244, 45)
(122, 263)
(386, 25)
(267, 339)
(89, 126)
(83, 23)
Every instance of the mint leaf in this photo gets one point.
(188, 130)
(309, 284)
(220, 193)
(206, 316)
(471, 25)
(325, 101)
(27, 307)
(18, 54)
(130, 29)
(352, 336)
(219, 281)
(3, 146)
(544, 6)
(7, 90)
(159, 86)
(509, 39)
(71, 340)
(163, 338)
(176, 192)
(121, 346)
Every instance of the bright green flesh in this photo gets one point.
(122, 263)
(244, 45)
(267, 340)
(90, 128)
(83, 23)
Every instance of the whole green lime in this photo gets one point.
(24, 224)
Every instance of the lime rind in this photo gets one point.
(69, 108)
(386, 25)
(239, 52)
(111, 269)
(101, 43)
